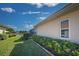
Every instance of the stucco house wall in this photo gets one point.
(1, 31)
(52, 28)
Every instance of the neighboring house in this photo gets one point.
(3, 30)
(64, 24)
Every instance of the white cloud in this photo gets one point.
(39, 5)
(44, 13)
(31, 12)
(35, 12)
(28, 26)
(50, 4)
(23, 13)
(8, 9)
(42, 18)
(12, 26)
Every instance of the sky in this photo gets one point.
(23, 16)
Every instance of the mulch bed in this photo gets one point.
(49, 49)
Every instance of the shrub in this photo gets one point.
(61, 47)
(26, 36)
(75, 52)
(12, 35)
(2, 36)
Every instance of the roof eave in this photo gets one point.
(60, 12)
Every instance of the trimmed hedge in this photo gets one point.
(60, 47)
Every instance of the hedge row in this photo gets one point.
(60, 47)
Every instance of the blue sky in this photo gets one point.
(23, 16)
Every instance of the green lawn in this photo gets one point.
(14, 47)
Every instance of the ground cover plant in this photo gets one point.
(57, 46)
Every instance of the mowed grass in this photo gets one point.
(16, 47)
(7, 45)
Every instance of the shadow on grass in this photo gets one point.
(20, 48)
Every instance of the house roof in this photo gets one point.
(1, 28)
(65, 10)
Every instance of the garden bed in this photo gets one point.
(57, 46)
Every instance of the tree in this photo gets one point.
(10, 30)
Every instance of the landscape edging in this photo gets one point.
(44, 49)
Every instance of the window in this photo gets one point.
(65, 33)
(65, 24)
(65, 29)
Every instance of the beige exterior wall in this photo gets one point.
(50, 29)
(53, 27)
(1, 31)
(74, 27)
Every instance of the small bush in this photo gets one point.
(12, 35)
(26, 36)
(2, 37)
(61, 47)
